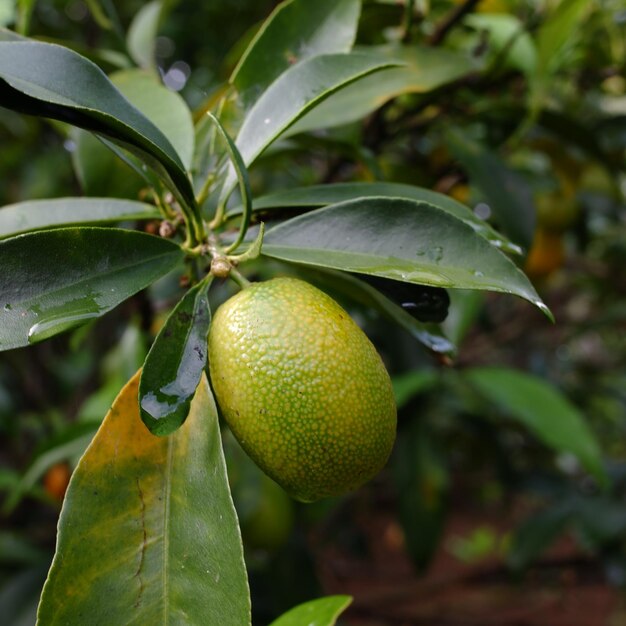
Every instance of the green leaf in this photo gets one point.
(399, 239)
(321, 195)
(175, 363)
(422, 483)
(507, 35)
(294, 93)
(72, 444)
(535, 535)
(505, 191)
(8, 12)
(38, 214)
(322, 612)
(411, 384)
(425, 69)
(53, 81)
(244, 183)
(142, 34)
(295, 31)
(163, 107)
(541, 408)
(57, 279)
(557, 32)
(148, 532)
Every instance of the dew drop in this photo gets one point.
(478, 274)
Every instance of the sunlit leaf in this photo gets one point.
(57, 279)
(148, 532)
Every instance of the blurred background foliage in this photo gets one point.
(509, 474)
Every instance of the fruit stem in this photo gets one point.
(239, 278)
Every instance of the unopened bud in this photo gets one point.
(166, 229)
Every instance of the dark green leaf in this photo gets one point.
(321, 195)
(53, 81)
(426, 69)
(537, 534)
(322, 612)
(556, 32)
(148, 532)
(57, 279)
(546, 412)
(422, 484)
(505, 191)
(296, 30)
(294, 93)
(175, 363)
(399, 239)
(39, 214)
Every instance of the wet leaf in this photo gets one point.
(398, 239)
(57, 279)
(148, 532)
(296, 30)
(175, 363)
(322, 195)
(544, 410)
(322, 612)
(294, 93)
(40, 214)
(53, 81)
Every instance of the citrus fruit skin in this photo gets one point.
(302, 388)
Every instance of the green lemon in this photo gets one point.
(302, 388)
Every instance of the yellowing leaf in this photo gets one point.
(148, 532)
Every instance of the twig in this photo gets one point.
(450, 21)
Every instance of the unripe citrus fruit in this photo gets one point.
(302, 388)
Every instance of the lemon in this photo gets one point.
(302, 388)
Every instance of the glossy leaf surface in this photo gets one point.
(58, 279)
(148, 532)
(321, 195)
(542, 409)
(399, 239)
(322, 612)
(175, 363)
(39, 214)
(506, 193)
(425, 69)
(295, 31)
(294, 93)
(53, 81)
